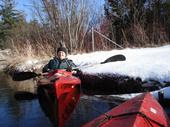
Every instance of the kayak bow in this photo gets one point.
(60, 99)
(141, 111)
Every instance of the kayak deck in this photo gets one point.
(60, 99)
(141, 111)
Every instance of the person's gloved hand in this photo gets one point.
(69, 69)
(78, 72)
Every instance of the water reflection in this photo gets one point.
(88, 108)
(22, 113)
(26, 113)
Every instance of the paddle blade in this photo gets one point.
(24, 95)
(21, 76)
(115, 58)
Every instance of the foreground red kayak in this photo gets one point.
(60, 99)
(141, 111)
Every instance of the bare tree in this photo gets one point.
(68, 19)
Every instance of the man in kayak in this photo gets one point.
(49, 92)
(60, 61)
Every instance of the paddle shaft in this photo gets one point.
(21, 76)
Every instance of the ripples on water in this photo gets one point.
(29, 114)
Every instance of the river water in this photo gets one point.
(27, 113)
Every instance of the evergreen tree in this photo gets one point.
(151, 15)
(124, 13)
(9, 17)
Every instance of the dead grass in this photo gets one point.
(22, 51)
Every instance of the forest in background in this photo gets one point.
(128, 23)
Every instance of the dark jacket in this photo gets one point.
(55, 63)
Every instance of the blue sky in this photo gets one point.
(25, 6)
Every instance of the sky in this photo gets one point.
(26, 5)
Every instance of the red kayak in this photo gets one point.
(60, 99)
(141, 111)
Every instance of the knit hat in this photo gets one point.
(62, 49)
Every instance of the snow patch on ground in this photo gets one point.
(146, 63)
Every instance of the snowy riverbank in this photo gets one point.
(143, 66)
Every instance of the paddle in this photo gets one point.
(24, 95)
(115, 58)
(21, 76)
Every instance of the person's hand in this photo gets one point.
(69, 69)
(77, 72)
(74, 72)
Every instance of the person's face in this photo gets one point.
(61, 55)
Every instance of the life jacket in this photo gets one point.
(55, 63)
